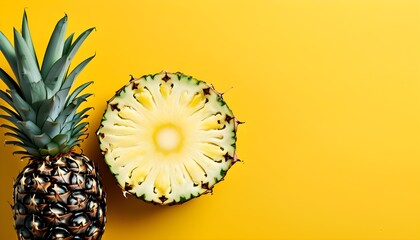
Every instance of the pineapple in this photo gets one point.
(58, 195)
(168, 138)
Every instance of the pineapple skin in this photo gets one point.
(59, 198)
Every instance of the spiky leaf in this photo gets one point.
(40, 106)
(9, 53)
(24, 109)
(30, 78)
(41, 140)
(55, 46)
(55, 76)
(60, 139)
(49, 109)
(6, 97)
(52, 128)
(10, 83)
(67, 44)
(77, 91)
(26, 34)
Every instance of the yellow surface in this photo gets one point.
(329, 91)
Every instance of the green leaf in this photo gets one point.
(39, 94)
(55, 46)
(68, 148)
(67, 44)
(11, 113)
(50, 109)
(77, 91)
(21, 138)
(78, 135)
(60, 139)
(9, 53)
(78, 42)
(29, 75)
(79, 117)
(44, 152)
(73, 142)
(41, 140)
(10, 83)
(69, 57)
(76, 103)
(67, 111)
(23, 108)
(51, 128)
(79, 129)
(29, 128)
(71, 122)
(11, 119)
(81, 114)
(76, 71)
(27, 37)
(7, 98)
(55, 76)
(53, 149)
(31, 152)
(79, 100)
(16, 143)
(65, 88)
(13, 129)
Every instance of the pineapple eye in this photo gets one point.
(76, 179)
(19, 209)
(76, 198)
(57, 189)
(100, 212)
(92, 230)
(42, 179)
(29, 179)
(91, 206)
(60, 171)
(79, 219)
(58, 233)
(90, 183)
(72, 164)
(24, 233)
(33, 199)
(33, 222)
(55, 209)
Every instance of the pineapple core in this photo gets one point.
(168, 139)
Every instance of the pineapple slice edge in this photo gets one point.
(168, 137)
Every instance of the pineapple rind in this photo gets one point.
(208, 149)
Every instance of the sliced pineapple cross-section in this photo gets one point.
(168, 137)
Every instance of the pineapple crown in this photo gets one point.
(43, 112)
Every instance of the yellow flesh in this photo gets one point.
(166, 139)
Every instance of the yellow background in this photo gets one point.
(329, 91)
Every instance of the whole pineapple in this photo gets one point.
(58, 195)
(168, 137)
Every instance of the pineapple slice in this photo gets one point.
(168, 137)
